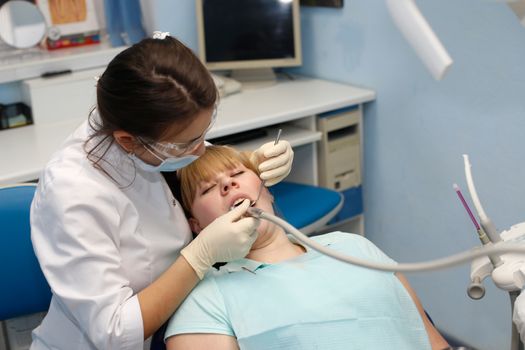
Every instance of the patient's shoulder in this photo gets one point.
(338, 237)
(352, 243)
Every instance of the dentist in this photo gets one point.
(112, 241)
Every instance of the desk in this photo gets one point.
(25, 151)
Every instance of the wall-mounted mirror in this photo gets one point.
(22, 25)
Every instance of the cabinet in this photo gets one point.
(308, 110)
(62, 97)
(61, 103)
(290, 104)
(18, 65)
(58, 97)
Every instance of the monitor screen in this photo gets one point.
(236, 34)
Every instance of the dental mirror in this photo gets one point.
(22, 25)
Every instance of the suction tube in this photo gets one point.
(431, 265)
(486, 223)
(476, 290)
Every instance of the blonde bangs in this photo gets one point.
(214, 160)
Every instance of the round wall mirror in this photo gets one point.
(22, 25)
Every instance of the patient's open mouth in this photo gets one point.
(240, 201)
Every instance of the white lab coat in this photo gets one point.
(99, 244)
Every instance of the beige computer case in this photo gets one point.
(339, 149)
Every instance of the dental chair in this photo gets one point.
(24, 289)
(308, 208)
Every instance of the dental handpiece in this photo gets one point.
(494, 259)
(442, 263)
(481, 233)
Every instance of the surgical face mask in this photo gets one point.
(168, 164)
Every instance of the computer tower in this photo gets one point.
(339, 159)
(339, 150)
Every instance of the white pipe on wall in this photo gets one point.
(420, 35)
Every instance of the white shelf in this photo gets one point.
(295, 135)
(286, 101)
(18, 65)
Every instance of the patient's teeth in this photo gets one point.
(237, 203)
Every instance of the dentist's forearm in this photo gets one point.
(159, 300)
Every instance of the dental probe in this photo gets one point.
(264, 182)
(452, 260)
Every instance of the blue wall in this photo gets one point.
(417, 131)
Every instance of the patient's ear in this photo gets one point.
(195, 226)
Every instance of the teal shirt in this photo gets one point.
(309, 302)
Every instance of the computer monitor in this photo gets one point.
(249, 37)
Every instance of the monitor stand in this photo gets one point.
(254, 78)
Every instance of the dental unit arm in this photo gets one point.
(508, 269)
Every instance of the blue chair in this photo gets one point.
(25, 290)
(306, 207)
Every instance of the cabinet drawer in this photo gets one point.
(64, 97)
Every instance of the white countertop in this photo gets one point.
(285, 101)
(24, 151)
(23, 64)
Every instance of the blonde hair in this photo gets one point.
(215, 159)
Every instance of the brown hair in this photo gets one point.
(147, 88)
(214, 159)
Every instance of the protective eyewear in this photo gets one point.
(168, 149)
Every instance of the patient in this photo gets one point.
(284, 295)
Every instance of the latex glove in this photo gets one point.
(518, 316)
(273, 161)
(228, 237)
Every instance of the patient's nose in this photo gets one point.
(227, 184)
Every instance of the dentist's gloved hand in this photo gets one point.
(273, 161)
(227, 238)
(518, 316)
